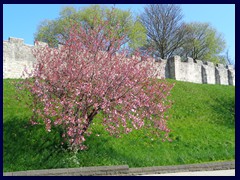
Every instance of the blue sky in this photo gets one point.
(22, 20)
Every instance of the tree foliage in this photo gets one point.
(168, 35)
(56, 31)
(71, 85)
(203, 42)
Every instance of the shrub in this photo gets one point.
(69, 86)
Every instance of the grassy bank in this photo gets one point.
(202, 127)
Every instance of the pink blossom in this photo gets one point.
(84, 77)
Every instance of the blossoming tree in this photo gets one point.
(71, 85)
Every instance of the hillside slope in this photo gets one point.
(202, 123)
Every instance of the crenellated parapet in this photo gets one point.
(17, 56)
(198, 71)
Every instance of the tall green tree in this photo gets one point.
(56, 31)
(203, 42)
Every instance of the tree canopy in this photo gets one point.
(56, 31)
(203, 42)
(168, 35)
(159, 30)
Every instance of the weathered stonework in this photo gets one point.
(17, 56)
(222, 77)
(231, 75)
(208, 73)
(198, 71)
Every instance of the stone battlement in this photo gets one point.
(199, 71)
(17, 56)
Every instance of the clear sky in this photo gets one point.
(22, 20)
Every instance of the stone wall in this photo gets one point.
(17, 56)
(199, 71)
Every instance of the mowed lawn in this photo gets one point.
(202, 123)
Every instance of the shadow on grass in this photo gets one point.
(27, 147)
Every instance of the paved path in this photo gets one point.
(199, 173)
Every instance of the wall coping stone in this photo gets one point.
(124, 170)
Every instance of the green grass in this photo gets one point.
(202, 127)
